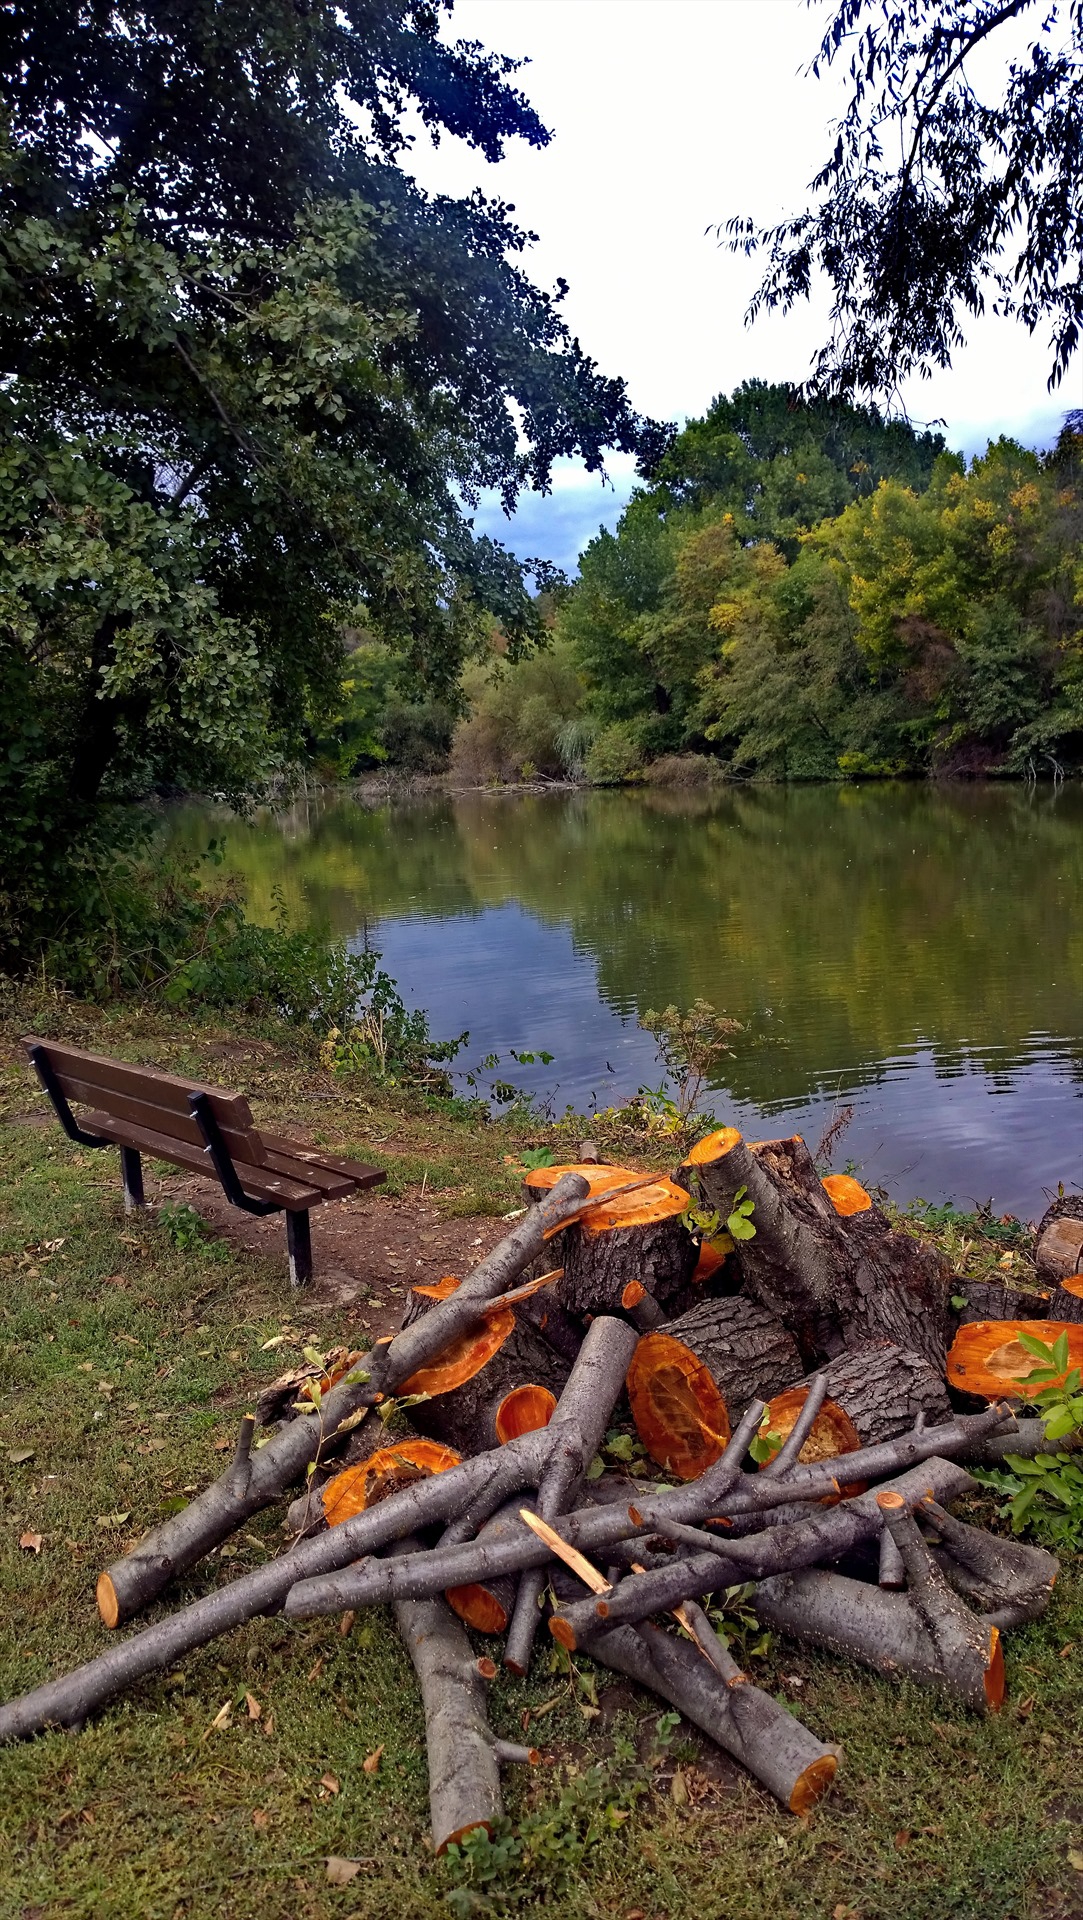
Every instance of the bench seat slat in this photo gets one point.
(356, 1172)
(332, 1185)
(260, 1183)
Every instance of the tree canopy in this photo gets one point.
(956, 177)
(252, 380)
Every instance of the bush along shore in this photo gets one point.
(263, 1772)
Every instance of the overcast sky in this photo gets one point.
(668, 117)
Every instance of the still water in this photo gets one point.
(913, 952)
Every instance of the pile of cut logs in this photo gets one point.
(810, 1399)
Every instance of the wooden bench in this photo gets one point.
(205, 1129)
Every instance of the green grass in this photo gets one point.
(126, 1358)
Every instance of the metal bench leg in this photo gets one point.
(131, 1172)
(299, 1245)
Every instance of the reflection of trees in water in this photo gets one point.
(852, 921)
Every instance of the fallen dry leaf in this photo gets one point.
(341, 1871)
(346, 1623)
(678, 1789)
(253, 1705)
(315, 1671)
(31, 1542)
(260, 1820)
(269, 1725)
(223, 1446)
(1025, 1708)
(112, 1519)
(1075, 1859)
(20, 1455)
(278, 1341)
(372, 1760)
(328, 1780)
(903, 1839)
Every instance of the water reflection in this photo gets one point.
(919, 951)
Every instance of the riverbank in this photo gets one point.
(130, 1349)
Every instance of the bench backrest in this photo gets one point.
(148, 1098)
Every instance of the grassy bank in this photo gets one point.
(129, 1352)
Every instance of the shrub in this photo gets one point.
(614, 756)
(683, 770)
(520, 716)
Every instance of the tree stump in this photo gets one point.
(837, 1274)
(690, 1381)
(639, 1237)
(1058, 1250)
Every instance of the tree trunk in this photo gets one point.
(638, 1237)
(1059, 1249)
(1001, 1300)
(1066, 1302)
(249, 1485)
(835, 1279)
(747, 1724)
(883, 1389)
(693, 1377)
(582, 1421)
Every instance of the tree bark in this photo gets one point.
(969, 1650)
(693, 1377)
(1001, 1300)
(999, 1575)
(181, 1541)
(582, 1419)
(747, 1724)
(1059, 1248)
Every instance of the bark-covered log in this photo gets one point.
(583, 1418)
(639, 1236)
(746, 1723)
(883, 1388)
(1059, 1251)
(691, 1379)
(181, 1541)
(595, 1531)
(836, 1280)
(463, 1755)
(486, 1603)
(469, 1415)
(1001, 1300)
(882, 1629)
(1066, 1301)
(825, 1536)
(475, 1489)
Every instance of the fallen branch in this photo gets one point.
(464, 1757)
(168, 1550)
(746, 1723)
(825, 1536)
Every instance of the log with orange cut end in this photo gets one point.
(488, 1382)
(833, 1434)
(846, 1195)
(688, 1380)
(638, 1236)
(1068, 1299)
(356, 1489)
(989, 1358)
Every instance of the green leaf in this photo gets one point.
(1060, 1353)
(739, 1228)
(1033, 1345)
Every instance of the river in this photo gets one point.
(912, 952)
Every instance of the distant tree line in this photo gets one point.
(812, 592)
